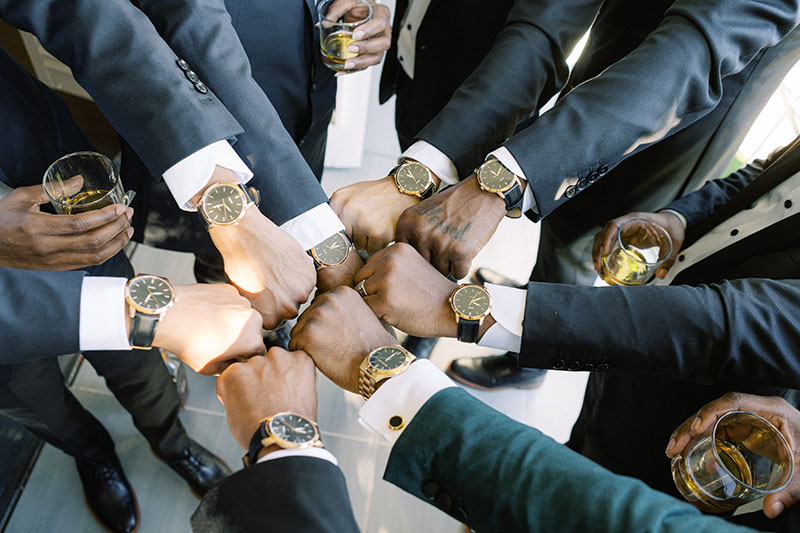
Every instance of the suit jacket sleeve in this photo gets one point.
(670, 81)
(118, 56)
(497, 474)
(524, 69)
(39, 314)
(743, 329)
(288, 494)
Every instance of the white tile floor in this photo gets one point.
(53, 500)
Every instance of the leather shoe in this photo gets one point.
(109, 495)
(199, 467)
(495, 372)
(421, 347)
(483, 276)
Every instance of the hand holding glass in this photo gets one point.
(101, 186)
(640, 248)
(338, 19)
(740, 460)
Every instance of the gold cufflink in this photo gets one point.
(396, 422)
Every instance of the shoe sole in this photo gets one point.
(105, 528)
(491, 389)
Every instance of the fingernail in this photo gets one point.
(349, 65)
(777, 508)
(130, 213)
(119, 209)
(358, 35)
(352, 48)
(669, 445)
(696, 424)
(130, 232)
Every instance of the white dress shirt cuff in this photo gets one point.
(319, 453)
(102, 323)
(190, 175)
(313, 226)
(434, 159)
(505, 157)
(508, 310)
(677, 214)
(403, 396)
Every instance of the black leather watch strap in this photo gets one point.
(255, 445)
(427, 193)
(513, 197)
(468, 330)
(143, 330)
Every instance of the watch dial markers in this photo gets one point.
(223, 204)
(471, 301)
(493, 175)
(332, 250)
(413, 177)
(387, 358)
(150, 292)
(292, 428)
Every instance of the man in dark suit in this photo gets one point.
(727, 323)
(448, 449)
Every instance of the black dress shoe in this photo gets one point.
(199, 467)
(109, 495)
(420, 346)
(487, 275)
(495, 372)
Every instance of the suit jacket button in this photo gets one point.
(191, 76)
(603, 170)
(573, 365)
(602, 367)
(183, 65)
(570, 192)
(558, 364)
(444, 501)
(593, 177)
(430, 489)
(459, 513)
(582, 184)
(201, 87)
(587, 367)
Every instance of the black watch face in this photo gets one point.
(223, 203)
(333, 250)
(413, 177)
(387, 358)
(150, 292)
(292, 428)
(495, 177)
(471, 301)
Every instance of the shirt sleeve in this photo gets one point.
(505, 157)
(434, 159)
(508, 310)
(403, 396)
(319, 453)
(190, 175)
(313, 226)
(102, 314)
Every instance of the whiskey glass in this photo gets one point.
(338, 19)
(640, 248)
(102, 185)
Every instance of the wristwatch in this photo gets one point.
(331, 252)
(149, 297)
(224, 204)
(288, 430)
(380, 364)
(414, 179)
(471, 304)
(493, 176)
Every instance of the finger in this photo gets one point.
(370, 30)
(366, 271)
(98, 257)
(375, 46)
(359, 240)
(376, 304)
(363, 61)
(598, 241)
(774, 504)
(459, 268)
(609, 236)
(83, 222)
(96, 238)
(375, 243)
(38, 196)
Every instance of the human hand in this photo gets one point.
(209, 326)
(338, 330)
(267, 265)
(451, 227)
(265, 386)
(407, 292)
(31, 239)
(370, 210)
(371, 39)
(775, 409)
(604, 240)
(333, 276)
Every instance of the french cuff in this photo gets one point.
(399, 399)
(508, 311)
(505, 157)
(190, 175)
(102, 314)
(319, 453)
(434, 159)
(313, 226)
(677, 214)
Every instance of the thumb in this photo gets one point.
(32, 196)
(57, 189)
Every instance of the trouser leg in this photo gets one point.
(562, 262)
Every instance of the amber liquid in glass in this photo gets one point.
(726, 497)
(84, 201)
(623, 267)
(334, 50)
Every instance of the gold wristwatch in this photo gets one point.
(414, 179)
(380, 364)
(331, 252)
(494, 177)
(225, 204)
(471, 304)
(287, 430)
(148, 297)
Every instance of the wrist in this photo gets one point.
(219, 175)
(488, 322)
(267, 450)
(334, 276)
(494, 204)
